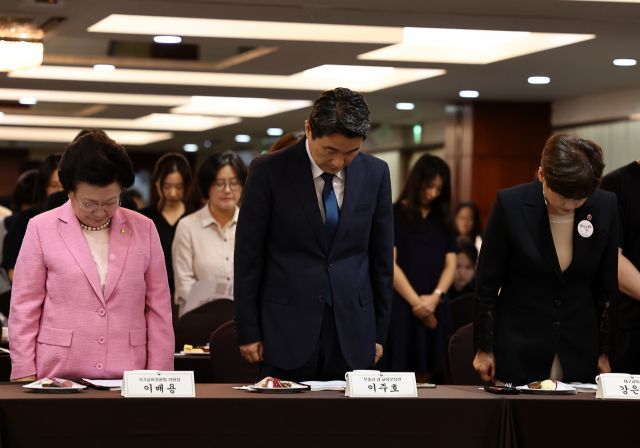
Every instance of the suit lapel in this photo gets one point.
(118, 250)
(354, 173)
(303, 185)
(537, 219)
(581, 245)
(74, 239)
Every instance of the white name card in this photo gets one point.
(372, 383)
(618, 385)
(156, 384)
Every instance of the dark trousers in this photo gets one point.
(327, 362)
(627, 358)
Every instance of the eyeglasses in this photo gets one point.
(92, 207)
(220, 185)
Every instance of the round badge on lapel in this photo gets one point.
(585, 229)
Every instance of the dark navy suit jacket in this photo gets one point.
(283, 264)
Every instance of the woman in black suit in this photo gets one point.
(547, 283)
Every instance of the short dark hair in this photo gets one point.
(97, 160)
(47, 168)
(468, 247)
(477, 224)
(209, 170)
(284, 141)
(23, 193)
(572, 166)
(426, 168)
(340, 111)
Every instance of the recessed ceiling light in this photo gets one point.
(190, 147)
(360, 78)
(275, 132)
(469, 94)
(246, 29)
(167, 39)
(29, 134)
(104, 67)
(155, 122)
(405, 106)
(239, 106)
(28, 101)
(457, 46)
(624, 62)
(207, 143)
(243, 138)
(539, 80)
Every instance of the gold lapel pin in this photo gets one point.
(122, 231)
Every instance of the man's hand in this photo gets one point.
(252, 352)
(603, 364)
(25, 378)
(378, 353)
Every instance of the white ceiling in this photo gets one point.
(577, 69)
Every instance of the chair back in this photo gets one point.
(461, 356)
(461, 311)
(195, 327)
(227, 363)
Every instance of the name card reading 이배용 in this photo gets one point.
(156, 384)
(371, 383)
(618, 385)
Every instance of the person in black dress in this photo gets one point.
(547, 283)
(425, 262)
(625, 183)
(172, 177)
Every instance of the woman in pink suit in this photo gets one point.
(90, 294)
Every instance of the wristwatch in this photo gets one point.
(440, 293)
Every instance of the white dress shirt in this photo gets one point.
(338, 183)
(202, 250)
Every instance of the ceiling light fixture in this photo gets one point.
(469, 94)
(190, 147)
(624, 62)
(539, 80)
(53, 135)
(104, 67)
(239, 106)
(325, 77)
(243, 138)
(275, 132)
(167, 39)
(405, 106)
(20, 46)
(28, 101)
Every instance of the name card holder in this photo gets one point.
(618, 385)
(157, 384)
(375, 384)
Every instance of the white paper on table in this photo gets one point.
(205, 291)
(325, 385)
(104, 383)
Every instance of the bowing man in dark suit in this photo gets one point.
(314, 250)
(547, 282)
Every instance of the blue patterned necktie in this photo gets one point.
(332, 214)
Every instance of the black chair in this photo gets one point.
(227, 363)
(461, 356)
(461, 311)
(5, 303)
(195, 327)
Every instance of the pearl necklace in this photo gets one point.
(95, 229)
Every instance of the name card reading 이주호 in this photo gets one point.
(156, 384)
(371, 383)
(618, 385)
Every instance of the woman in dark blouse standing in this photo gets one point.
(425, 262)
(172, 177)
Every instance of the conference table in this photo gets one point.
(448, 416)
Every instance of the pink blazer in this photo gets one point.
(62, 325)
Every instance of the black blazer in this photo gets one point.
(283, 264)
(526, 308)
